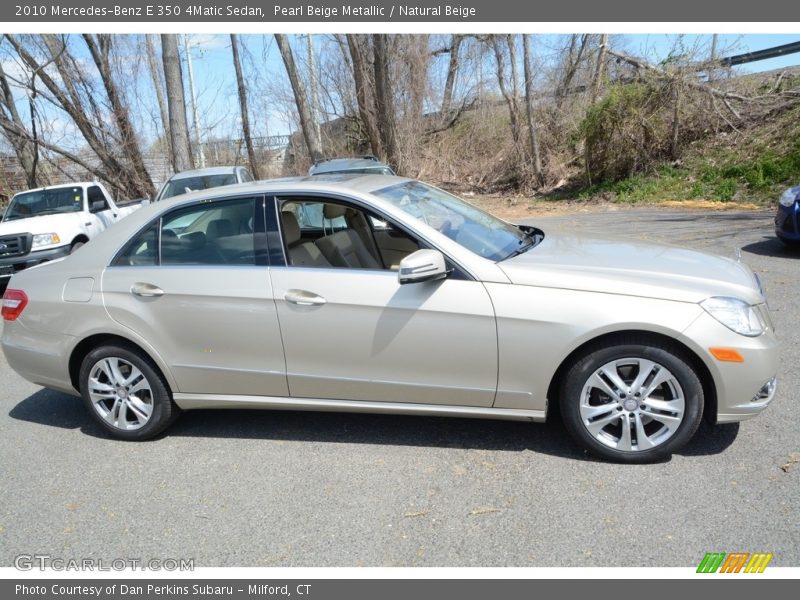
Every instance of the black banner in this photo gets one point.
(383, 11)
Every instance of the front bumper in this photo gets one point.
(744, 389)
(12, 264)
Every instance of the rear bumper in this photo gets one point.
(12, 264)
(41, 358)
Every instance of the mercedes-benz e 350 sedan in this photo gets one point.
(383, 294)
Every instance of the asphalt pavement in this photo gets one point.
(260, 488)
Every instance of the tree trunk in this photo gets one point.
(365, 93)
(511, 101)
(529, 98)
(573, 62)
(157, 75)
(384, 101)
(100, 48)
(176, 103)
(300, 98)
(243, 108)
(452, 74)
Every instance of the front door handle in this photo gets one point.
(304, 298)
(146, 290)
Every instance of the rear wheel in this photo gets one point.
(633, 402)
(125, 393)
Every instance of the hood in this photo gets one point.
(43, 224)
(631, 268)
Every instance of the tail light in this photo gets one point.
(14, 302)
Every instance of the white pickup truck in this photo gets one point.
(51, 222)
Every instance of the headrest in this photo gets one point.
(291, 230)
(331, 211)
(219, 228)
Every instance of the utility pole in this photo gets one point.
(712, 59)
(195, 115)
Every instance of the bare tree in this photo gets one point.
(157, 77)
(364, 81)
(100, 47)
(77, 95)
(529, 105)
(577, 48)
(384, 101)
(301, 99)
(24, 142)
(176, 103)
(243, 108)
(502, 46)
(452, 73)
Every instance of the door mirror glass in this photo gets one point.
(422, 265)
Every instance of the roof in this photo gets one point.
(56, 186)
(331, 183)
(226, 170)
(344, 164)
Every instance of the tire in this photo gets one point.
(793, 244)
(660, 420)
(125, 393)
(75, 247)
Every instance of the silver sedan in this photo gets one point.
(384, 294)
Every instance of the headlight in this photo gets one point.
(789, 196)
(45, 239)
(736, 315)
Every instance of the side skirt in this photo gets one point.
(200, 401)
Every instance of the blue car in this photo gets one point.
(787, 219)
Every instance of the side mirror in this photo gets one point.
(422, 265)
(97, 206)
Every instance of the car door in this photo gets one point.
(195, 285)
(357, 334)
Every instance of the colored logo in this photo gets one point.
(734, 562)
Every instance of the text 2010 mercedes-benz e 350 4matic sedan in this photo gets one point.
(382, 294)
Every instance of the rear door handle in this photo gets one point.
(304, 298)
(146, 290)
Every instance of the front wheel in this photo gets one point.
(125, 393)
(633, 402)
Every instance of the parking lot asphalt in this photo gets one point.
(260, 488)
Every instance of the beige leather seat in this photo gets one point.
(301, 254)
(345, 248)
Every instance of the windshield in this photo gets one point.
(477, 231)
(191, 184)
(45, 202)
(361, 171)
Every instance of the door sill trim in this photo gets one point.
(201, 401)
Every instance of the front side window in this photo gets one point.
(475, 230)
(332, 235)
(219, 233)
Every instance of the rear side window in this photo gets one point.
(218, 233)
(141, 251)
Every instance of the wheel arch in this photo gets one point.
(81, 238)
(86, 345)
(702, 370)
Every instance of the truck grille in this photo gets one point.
(14, 245)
